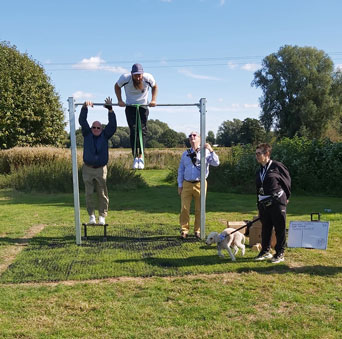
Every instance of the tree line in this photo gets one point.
(302, 96)
(159, 135)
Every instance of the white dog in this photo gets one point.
(225, 240)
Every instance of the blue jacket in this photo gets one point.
(95, 149)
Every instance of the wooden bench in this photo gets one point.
(95, 225)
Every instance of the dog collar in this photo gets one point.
(222, 237)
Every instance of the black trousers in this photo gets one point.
(273, 216)
(131, 120)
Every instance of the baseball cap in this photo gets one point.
(137, 69)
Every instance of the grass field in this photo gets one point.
(145, 282)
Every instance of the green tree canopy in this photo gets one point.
(228, 133)
(121, 138)
(211, 137)
(252, 132)
(154, 129)
(30, 109)
(297, 98)
(171, 138)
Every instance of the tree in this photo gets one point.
(169, 138)
(334, 130)
(121, 138)
(211, 137)
(182, 139)
(296, 84)
(252, 132)
(228, 133)
(30, 110)
(154, 130)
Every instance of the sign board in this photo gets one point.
(308, 234)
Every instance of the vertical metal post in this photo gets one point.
(203, 110)
(75, 169)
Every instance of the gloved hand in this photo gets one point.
(108, 104)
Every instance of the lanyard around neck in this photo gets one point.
(263, 173)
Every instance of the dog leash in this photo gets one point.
(248, 225)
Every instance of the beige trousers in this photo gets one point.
(191, 191)
(95, 178)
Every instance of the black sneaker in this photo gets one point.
(263, 256)
(277, 258)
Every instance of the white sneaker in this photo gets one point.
(277, 258)
(92, 220)
(102, 220)
(263, 256)
(141, 164)
(135, 163)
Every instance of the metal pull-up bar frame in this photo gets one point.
(72, 109)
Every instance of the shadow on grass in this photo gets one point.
(200, 260)
(39, 241)
(318, 270)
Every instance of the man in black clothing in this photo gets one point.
(95, 158)
(273, 184)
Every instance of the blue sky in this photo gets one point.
(194, 48)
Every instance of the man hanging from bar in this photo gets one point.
(189, 181)
(95, 158)
(136, 87)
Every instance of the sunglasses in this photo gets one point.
(192, 135)
(94, 127)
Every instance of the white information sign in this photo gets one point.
(308, 234)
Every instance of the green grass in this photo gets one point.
(145, 282)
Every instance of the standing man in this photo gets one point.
(273, 184)
(136, 87)
(95, 158)
(189, 181)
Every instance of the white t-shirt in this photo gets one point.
(133, 95)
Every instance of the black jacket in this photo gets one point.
(277, 178)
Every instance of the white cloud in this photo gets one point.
(82, 95)
(189, 74)
(96, 63)
(250, 105)
(250, 67)
(91, 63)
(222, 2)
(231, 65)
(338, 67)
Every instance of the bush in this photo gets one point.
(56, 176)
(13, 159)
(236, 172)
(315, 167)
(119, 177)
(51, 177)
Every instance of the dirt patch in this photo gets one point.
(227, 277)
(13, 250)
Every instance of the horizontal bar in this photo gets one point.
(159, 105)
